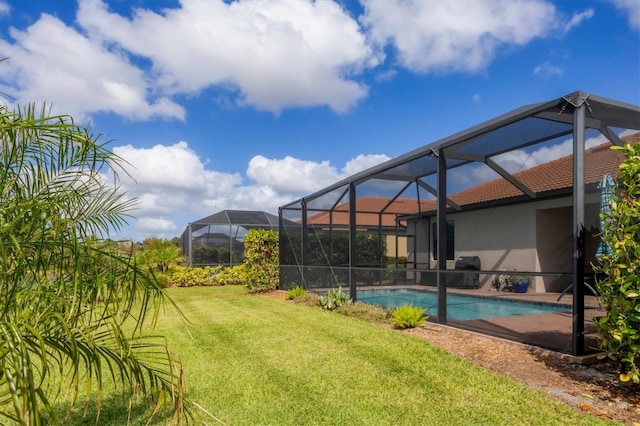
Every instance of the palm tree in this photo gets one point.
(65, 294)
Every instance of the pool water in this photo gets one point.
(460, 307)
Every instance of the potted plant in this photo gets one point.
(519, 283)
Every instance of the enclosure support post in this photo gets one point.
(382, 254)
(330, 238)
(353, 252)
(442, 237)
(304, 242)
(190, 246)
(280, 244)
(577, 339)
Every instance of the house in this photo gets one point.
(512, 222)
(510, 231)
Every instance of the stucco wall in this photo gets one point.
(528, 237)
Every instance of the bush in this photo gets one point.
(365, 311)
(295, 292)
(309, 299)
(333, 299)
(184, 276)
(261, 260)
(234, 275)
(164, 280)
(408, 316)
(619, 329)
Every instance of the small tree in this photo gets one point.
(619, 329)
(159, 254)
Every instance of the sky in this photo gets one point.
(250, 105)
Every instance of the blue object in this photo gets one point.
(460, 307)
(607, 197)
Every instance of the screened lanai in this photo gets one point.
(516, 195)
(218, 239)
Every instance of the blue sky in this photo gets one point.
(250, 105)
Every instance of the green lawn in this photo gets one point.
(256, 360)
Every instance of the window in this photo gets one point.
(450, 239)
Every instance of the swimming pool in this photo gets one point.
(461, 307)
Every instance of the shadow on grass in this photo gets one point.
(113, 412)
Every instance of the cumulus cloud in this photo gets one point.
(172, 181)
(165, 179)
(443, 36)
(44, 64)
(156, 226)
(631, 8)
(276, 54)
(267, 55)
(291, 174)
(363, 162)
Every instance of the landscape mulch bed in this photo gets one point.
(592, 388)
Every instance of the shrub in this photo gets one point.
(333, 299)
(164, 280)
(234, 275)
(619, 329)
(309, 299)
(408, 316)
(184, 276)
(261, 260)
(365, 311)
(295, 292)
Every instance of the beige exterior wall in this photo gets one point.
(529, 237)
(391, 246)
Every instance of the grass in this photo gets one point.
(256, 360)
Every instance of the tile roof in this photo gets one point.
(552, 176)
(556, 175)
(367, 211)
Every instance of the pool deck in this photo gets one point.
(551, 331)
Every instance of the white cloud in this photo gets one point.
(276, 54)
(363, 162)
(547, 70)
(291, 174)
(168, 178)
(171, 183)
(463, 36)
(476, 97)
(518, 160)
(577, 19)
(44, 64)
(268, 55)
(156, 226)
(386, 76)
(515, 161)
(5, 9)
(632, 9)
